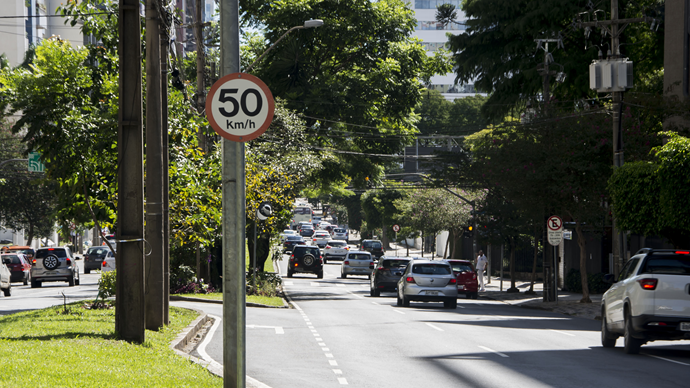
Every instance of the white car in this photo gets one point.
(320, 238)
(357, 263)
(649, 301)
(5, 276)
(340, 234)
(108, 263)
(286, 233)
(335, 250)
(323, 225)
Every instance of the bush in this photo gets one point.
(107, 284)
(267, 284)
(181, 276)
(595, 282)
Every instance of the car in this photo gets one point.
(94, 257)
(5, 276)
(291, 241)
(372, 246)
(305, 259)
(301, 224)
(28, 252)
(649, 301)
(428, 281)
(315, 220)
(108, 263)
(340, 234)
(286, 233)
(386, 274)
(335, 250)
(306, 231)
(20, 269)
(323, 225)
(468, 283)
(54, 265)
(320, 238)
(357, 263)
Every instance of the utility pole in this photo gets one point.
(200, 87)
(154, 171)
(165, 47)
(130, 309)
(544, 70)
(233, 181)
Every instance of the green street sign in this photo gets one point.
(35, 164)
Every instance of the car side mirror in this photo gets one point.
(609, 278)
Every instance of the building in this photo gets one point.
(433, 36)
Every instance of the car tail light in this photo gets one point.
(656, 324)
(410, 279)
(453, 281)
(314, 239)
(69, 261)
(104, 264)
(683, 252)
(328, 247)
(33, 262)
(346, 262)
(347, 248)
(648, 284)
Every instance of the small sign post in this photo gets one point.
(35, 164)
(554, 228)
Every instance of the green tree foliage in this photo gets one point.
(438, 116)
(380, 211)
(499, 53)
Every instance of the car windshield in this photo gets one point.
(395, 263)
(307, 227)
(339, 230)
(97, 251)
(314, 251)
(303, 210)
(667, 264)
(52, 251)
(372, 244)
(359, 257)
(14, 259)
(294, 238)
(431, 269)
(461, 267)
(337, 244)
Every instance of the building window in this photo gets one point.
(432, 4)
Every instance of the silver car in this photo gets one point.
(335, 250)
(428, 281)
(340, 234)
(357, 263)
(54, 265)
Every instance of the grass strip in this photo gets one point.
(270, 301)
(77, 347)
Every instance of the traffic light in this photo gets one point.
(469, 230)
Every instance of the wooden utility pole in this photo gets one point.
(200, 87)
(130, 309)
(165, 47)
(154, 171)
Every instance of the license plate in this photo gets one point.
(461, 287)
(685, 326)
(431, 292)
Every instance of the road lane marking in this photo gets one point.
(315, 284)
(342, 380)
(322, 344)
(329, 355)
(333, 362)
(288, 282)
(376, 303)
(201, 349)
(562, 332)
(278, 329)
(325, 349)
(399, 312)
(493, 351)
(669, 360)
(340, 285)
(434, 327)
(337, 371)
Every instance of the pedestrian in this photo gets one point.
(481, 267)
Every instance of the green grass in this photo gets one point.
(270, 301)
(48, 348)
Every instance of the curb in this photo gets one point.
(247, 304)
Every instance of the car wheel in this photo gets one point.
(632, 345)
(87, 270)
(468, 295)
(76, 282)
(71, 281)
(450, 303)
(27, 279)
(8, 291)
(405, 301)
(319, 274)
(325, 261)
(343, 276)
(608, 339)
(35, 284)
(399, 301)
(290, 273)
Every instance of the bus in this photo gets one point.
(301, 213)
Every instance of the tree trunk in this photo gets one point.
(31, 235)
(198, 261)
(263, 248)
(534, 263)
(422, 237)
(582, 243)
(512, 288)
(445, 250)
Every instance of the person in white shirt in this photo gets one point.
(481, 267)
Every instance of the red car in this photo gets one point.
(468, 283)
(20, 269)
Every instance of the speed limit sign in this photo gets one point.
(240, 107)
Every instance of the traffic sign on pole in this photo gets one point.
(240, 107)
(554, 227)
(35, 164)
(396, 228)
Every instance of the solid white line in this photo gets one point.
(288, 282)
(666, 359)
(493, 351)
(342, 380)
(315, 284)
(399, 312)
(201, 349)
(562, 332)
(376, 303)
(434, 327)
(340, 285)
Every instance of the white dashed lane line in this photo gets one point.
(562, 332)
(493, 351)
(669, 360)
(434, 326)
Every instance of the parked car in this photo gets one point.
(5, 282)
(108, 263)
(372, 246)
(649, 301)
(428, 281)
(320, 238)
(340, 234)
(306, 231)
(54, 265)
(386, 274)
(94, 257)
(335, 250)
(291, 241)
(305, 259)
(286, 233)
(28, 252)
(468, 284)
(357, 263)
(20, 269)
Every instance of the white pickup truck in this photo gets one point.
(649, 301)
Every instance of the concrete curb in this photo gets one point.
(248, 304)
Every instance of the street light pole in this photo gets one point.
(307, 24)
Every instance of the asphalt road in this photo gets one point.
(25, 298)
(339, 335)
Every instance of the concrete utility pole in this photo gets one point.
(234, 314)
(165, 47)
(200, 87)
(130, 309)
(154, 171)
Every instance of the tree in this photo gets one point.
(440, 116)
(379, 210)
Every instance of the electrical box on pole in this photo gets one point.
(611, 75)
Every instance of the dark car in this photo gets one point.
(20, 269)
(468, 283)
(94, 257)
(305, 259)
(306, 231)
(291, 241)
(372, 246)
(386, 274)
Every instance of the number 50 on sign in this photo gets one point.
(240, 107)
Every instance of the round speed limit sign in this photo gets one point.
(240, 107)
